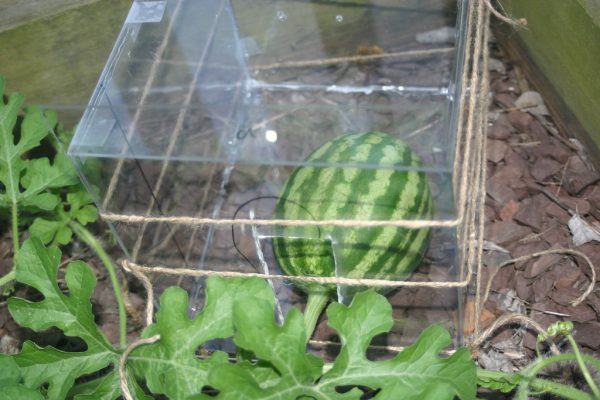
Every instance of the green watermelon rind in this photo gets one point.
(316, 193)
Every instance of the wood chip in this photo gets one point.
(485, 320)
(574, 181)
(542, 285)
(587, 334)
(531, 212)
(508, 211)
(565, 296)
(523, 286)
(503, 232)
(496, 149)
(569, 275)
(544, 168)
(520, 120)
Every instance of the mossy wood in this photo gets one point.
(562, 40)
(56, 58)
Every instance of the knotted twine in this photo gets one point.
(468, 176)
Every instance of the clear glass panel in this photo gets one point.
(206, 107)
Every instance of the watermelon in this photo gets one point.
(364, 176)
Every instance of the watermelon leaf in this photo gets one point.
(37, 266)
(11, 385)
(416, 373)
(55, 229)
(36, 175)
(171, 365)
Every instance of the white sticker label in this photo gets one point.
(146, 11)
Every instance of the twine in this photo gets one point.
(357, 58)
(528, 257)
(520, 22)
(507, 320)
(483, 126)
(123, 363)
(158, 269)
(194, 221)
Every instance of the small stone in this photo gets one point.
(504, 86)
(532, 102)
(8, 345)
(496, 65)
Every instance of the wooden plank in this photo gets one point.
(15, 13)
(562, 41)
(58, 60)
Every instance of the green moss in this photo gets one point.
(563, 38)
(57, 60)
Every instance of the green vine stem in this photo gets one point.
(15, 229)
(544, 385)
(584, 369)
(15, 239)
(533, 369)
(7, 278)
(314, 308)
(91, 241)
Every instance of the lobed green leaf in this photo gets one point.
(416, 373)
(34, 176)
(37, 267)
(171, 366)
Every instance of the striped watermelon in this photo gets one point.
(364, 186)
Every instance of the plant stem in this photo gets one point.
(584, 370)
(15, 239)
(15, 229)
(314, 307)
(545, 385)
(7, 278)
(91, 241)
